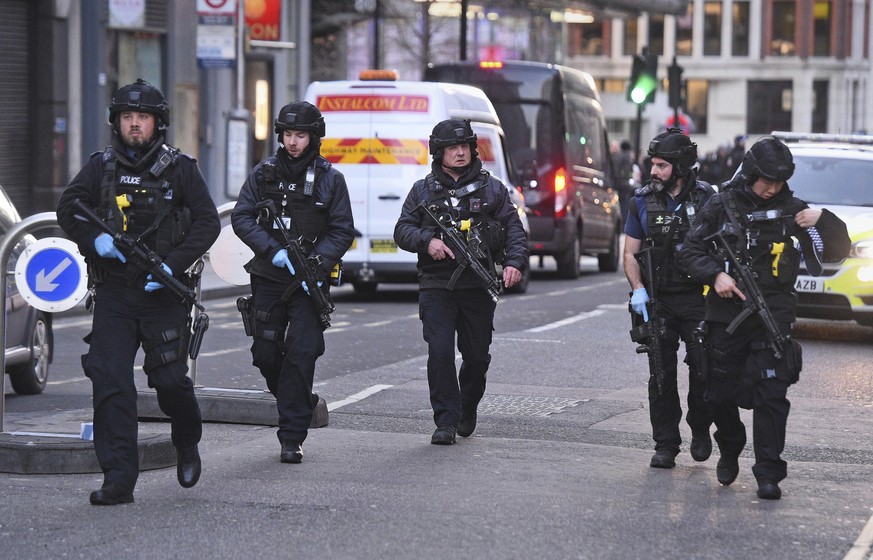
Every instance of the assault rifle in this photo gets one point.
(649, 335)
(467, 253)
(141, 256)
(755, 302)
(305, 268)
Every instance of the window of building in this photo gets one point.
(782, 40)
(740, 38)
(712, 29)
(696, 103)
(769, 106)
(587, 38)
(684, 25)
(656, 34)
(822, 18)
(630, 36)
(820, 106)
(612, 86)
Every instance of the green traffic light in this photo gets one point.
(644, 86)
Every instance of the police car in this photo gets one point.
(836, 172)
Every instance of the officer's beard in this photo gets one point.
(659, 185)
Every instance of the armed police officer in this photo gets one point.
(666, 299)
(294, 212)
(144, 188)
(741, 245)
(456, 270)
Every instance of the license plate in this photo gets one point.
(809, 284)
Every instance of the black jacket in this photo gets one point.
(331, 197)
(184, 179)
(702, 262)
(412, 232)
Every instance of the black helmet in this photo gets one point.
(451, 132)
(141, 97)
(768, 158)
(675, 146)
(299, 115)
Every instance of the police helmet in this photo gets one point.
(769, 158)
(451, 132)
(141, 97)
(300, 115)
(676, 147)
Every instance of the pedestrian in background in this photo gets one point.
(312, 201)
(149, 190)
(450, 305)
(660, 216)
(758, 216)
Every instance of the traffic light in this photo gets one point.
(644, 79)
(677, 86)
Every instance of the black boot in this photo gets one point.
(111, 495)
(292, 452)
(467, 424)
(444, 435)
(663, 459)
(187, 466)
(768, 490)
(727, 469)
(701, 446)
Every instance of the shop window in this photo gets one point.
(587, 38)
(822, 18)
(712, 29)
(820, 106)
(630, 36)
(696, 103)
(782, 40)
(684, 25)
(769, 106)
(740, 37)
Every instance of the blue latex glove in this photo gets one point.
(152, 286)
(105, 247)
(306, 288)
(280, 259)
(639, 299)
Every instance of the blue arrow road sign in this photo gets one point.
(52, 275)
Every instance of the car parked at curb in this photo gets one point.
(29, 338)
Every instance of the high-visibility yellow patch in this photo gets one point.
(375, 150)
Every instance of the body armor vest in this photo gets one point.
(294, 201)
(144, 205)
(663, 226)
(766, 242)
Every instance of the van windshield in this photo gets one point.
(522, 98)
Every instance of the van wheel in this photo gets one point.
(568, 261)
(365, 287)
(609, 261)
(30, 378)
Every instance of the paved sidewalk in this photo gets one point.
(49, 442)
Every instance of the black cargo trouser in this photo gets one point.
(124, 318)
(288, 339)
(683, 313)
(470, 314)
(743, 374)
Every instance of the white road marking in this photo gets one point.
(358, 396)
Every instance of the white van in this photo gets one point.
(377, 136)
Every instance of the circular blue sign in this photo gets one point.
(52, 274)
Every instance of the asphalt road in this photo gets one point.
(557, 468)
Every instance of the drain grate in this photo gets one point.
(511, 405)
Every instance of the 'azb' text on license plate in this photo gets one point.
(809, 284)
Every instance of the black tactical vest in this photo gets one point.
(295, 201)
(144, 204)
(767, 242)
(663, 226)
